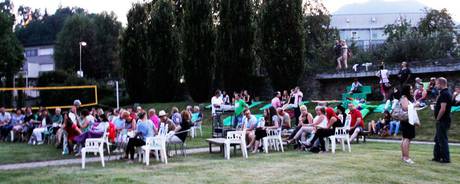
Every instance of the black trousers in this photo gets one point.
(441, 146)
(132, 144)
(321, 134)
(297, 114)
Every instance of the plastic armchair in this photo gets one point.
(273, 139)
(236, 137)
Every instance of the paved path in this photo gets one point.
(75, 161)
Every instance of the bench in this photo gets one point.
(362, 134)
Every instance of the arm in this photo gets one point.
(177, 128)
(331, 122)
(310, 118)
(441, 111)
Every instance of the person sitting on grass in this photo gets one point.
(356, 123)
(248, 125)
(144, 129)
(355, 86)
(263, 125)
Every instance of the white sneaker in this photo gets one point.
(409, 161)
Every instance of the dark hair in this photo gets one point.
(406, 91)
(217, 92)
(103, 118)
(85, 112)
(381, 67)
(272, 111)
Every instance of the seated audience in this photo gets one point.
(276, 101)
(263, 125)
(456, 96)
(71, 131)
(304, 126)
(144, 129)
(285, 119)
(356, 123)
(420, 95)
(249, 123)
(37, 134)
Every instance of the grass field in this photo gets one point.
(367, 163)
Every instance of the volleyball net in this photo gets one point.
(49, 97)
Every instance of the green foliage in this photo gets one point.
(436, 21)
(235, 44)
(319, 37)
(282, 41)
(45, 30)
(149, 52)
(198, 43)
(99, 57)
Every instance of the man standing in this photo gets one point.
(298, 95)
(404, 74)
(442, 116)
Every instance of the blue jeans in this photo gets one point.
(394, 127)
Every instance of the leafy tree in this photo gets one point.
(198, 42)
(11, 51)
(398, 31)
(163, 64)
(282, 41)
(436, 21)
(99, 57)
(235, 43)
(45, 30)
(319, 36)
(133, 55)
(77, 28)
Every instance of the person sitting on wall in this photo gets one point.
(355, 86)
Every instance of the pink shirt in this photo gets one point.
(276, 102)
(156, 120)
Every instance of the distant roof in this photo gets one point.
(381, 6)
(373, 20)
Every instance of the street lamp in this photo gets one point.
(80, 72)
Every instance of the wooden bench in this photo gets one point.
(364, 135)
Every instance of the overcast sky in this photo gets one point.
(121, 7)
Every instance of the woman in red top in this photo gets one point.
(72, 131)
(356, 123)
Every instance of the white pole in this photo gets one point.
(118, 96)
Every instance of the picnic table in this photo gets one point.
(221, 143)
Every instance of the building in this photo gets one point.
(38, 58)
(368, 29)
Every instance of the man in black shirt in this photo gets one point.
(404, 74)
(443, 120)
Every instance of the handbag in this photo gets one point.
(412, 114)
(398, 113)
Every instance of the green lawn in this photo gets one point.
(368, 163)
(21, 152)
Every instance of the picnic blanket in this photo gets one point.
(455, 109)
(228, 121)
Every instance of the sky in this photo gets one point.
(121, 7)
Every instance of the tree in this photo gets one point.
(99, 57)
(235, 43)
(77, 28)
(319, 36)
(133, 55)
(282, 41)
(436, 21)
(11, 51)
(198, 39)
(45, 30)
(149, 52)
(163, 66)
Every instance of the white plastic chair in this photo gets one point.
(157, 143)
(273, 139)
(342, 134)
(193, 129)
(235, 137)
(94, 145)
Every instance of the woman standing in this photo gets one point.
(408, 130)
(385, 85)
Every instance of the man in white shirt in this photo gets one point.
(216, 102)
(249, 124)
(5, 118)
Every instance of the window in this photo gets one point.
(31, 52)
(374, 35)
(354, 34)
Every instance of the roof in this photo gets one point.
(373, 20)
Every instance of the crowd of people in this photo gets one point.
(126, 128)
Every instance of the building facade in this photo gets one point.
(38, 59)
(368, 29)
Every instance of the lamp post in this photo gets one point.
(80, 72)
